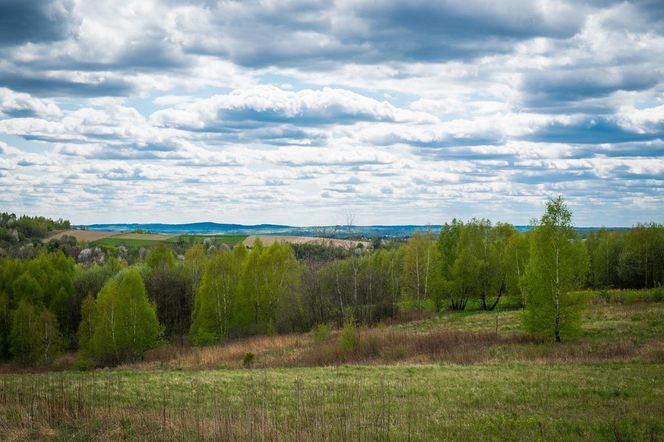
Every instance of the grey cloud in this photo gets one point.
(44, 85)
(590, 131)
(23, 21)
(566, 90)
(290, 33)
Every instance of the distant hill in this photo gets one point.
(211, 228)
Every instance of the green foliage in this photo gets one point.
(86, 326)
(170, 290)
(124, 323)
(5, 325)
(26, 288)
(248, 360)
(34, 336)
(160, 256)
(28, 226)
(641, 261)
(194, 264)
(420, 281)
(349, 336)
(321, 332)
(558, 266)
(216, 297)
(270, 294)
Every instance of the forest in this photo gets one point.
(114, 309)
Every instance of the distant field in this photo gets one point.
(269, 239)
(82, 235)
(115, 239)
(231, 240)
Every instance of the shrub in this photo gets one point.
(349, 336)
(248, 359)
(321, 332)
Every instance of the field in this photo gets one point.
(231, 240)
(453, 376)
(115, 239)
(81, 235)
(269, 239)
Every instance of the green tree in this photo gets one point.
(641, 262)
(5, 325)
(161, 255)
(420, 261)
(216, 296)
(34, 336)
(86, 326)
(604, 250)
(558, 265)
(169, 289)
(124, 322)
(270, 294)
(27, 288)
(517, 256)
(448, 250)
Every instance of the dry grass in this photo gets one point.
(228, 355)
(613, 333)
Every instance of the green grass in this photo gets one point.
(231, 240)
(430, 402)
(127, 242)
(608, 384)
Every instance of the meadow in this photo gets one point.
(449, 376)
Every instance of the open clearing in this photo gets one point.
(425, 402)
(446, 377)
(269, 239)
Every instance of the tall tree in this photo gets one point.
(216, 297)
(420, 261)
(558, 265)
(124, 322)
(641, 262)
(34, 336)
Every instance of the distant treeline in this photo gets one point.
(15, 229)
(113, 308)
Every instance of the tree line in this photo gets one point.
(115, 311)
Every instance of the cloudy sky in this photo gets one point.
(299, 112)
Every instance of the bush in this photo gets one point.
(248, 359)
(349, 336)
(321, 332)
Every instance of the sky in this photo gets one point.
(303, 112)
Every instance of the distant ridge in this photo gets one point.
(339, 231)
(212, 228)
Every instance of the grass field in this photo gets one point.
(148, 240)
(231, 240)
(447, 377)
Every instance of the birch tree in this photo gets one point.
(557, 266)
